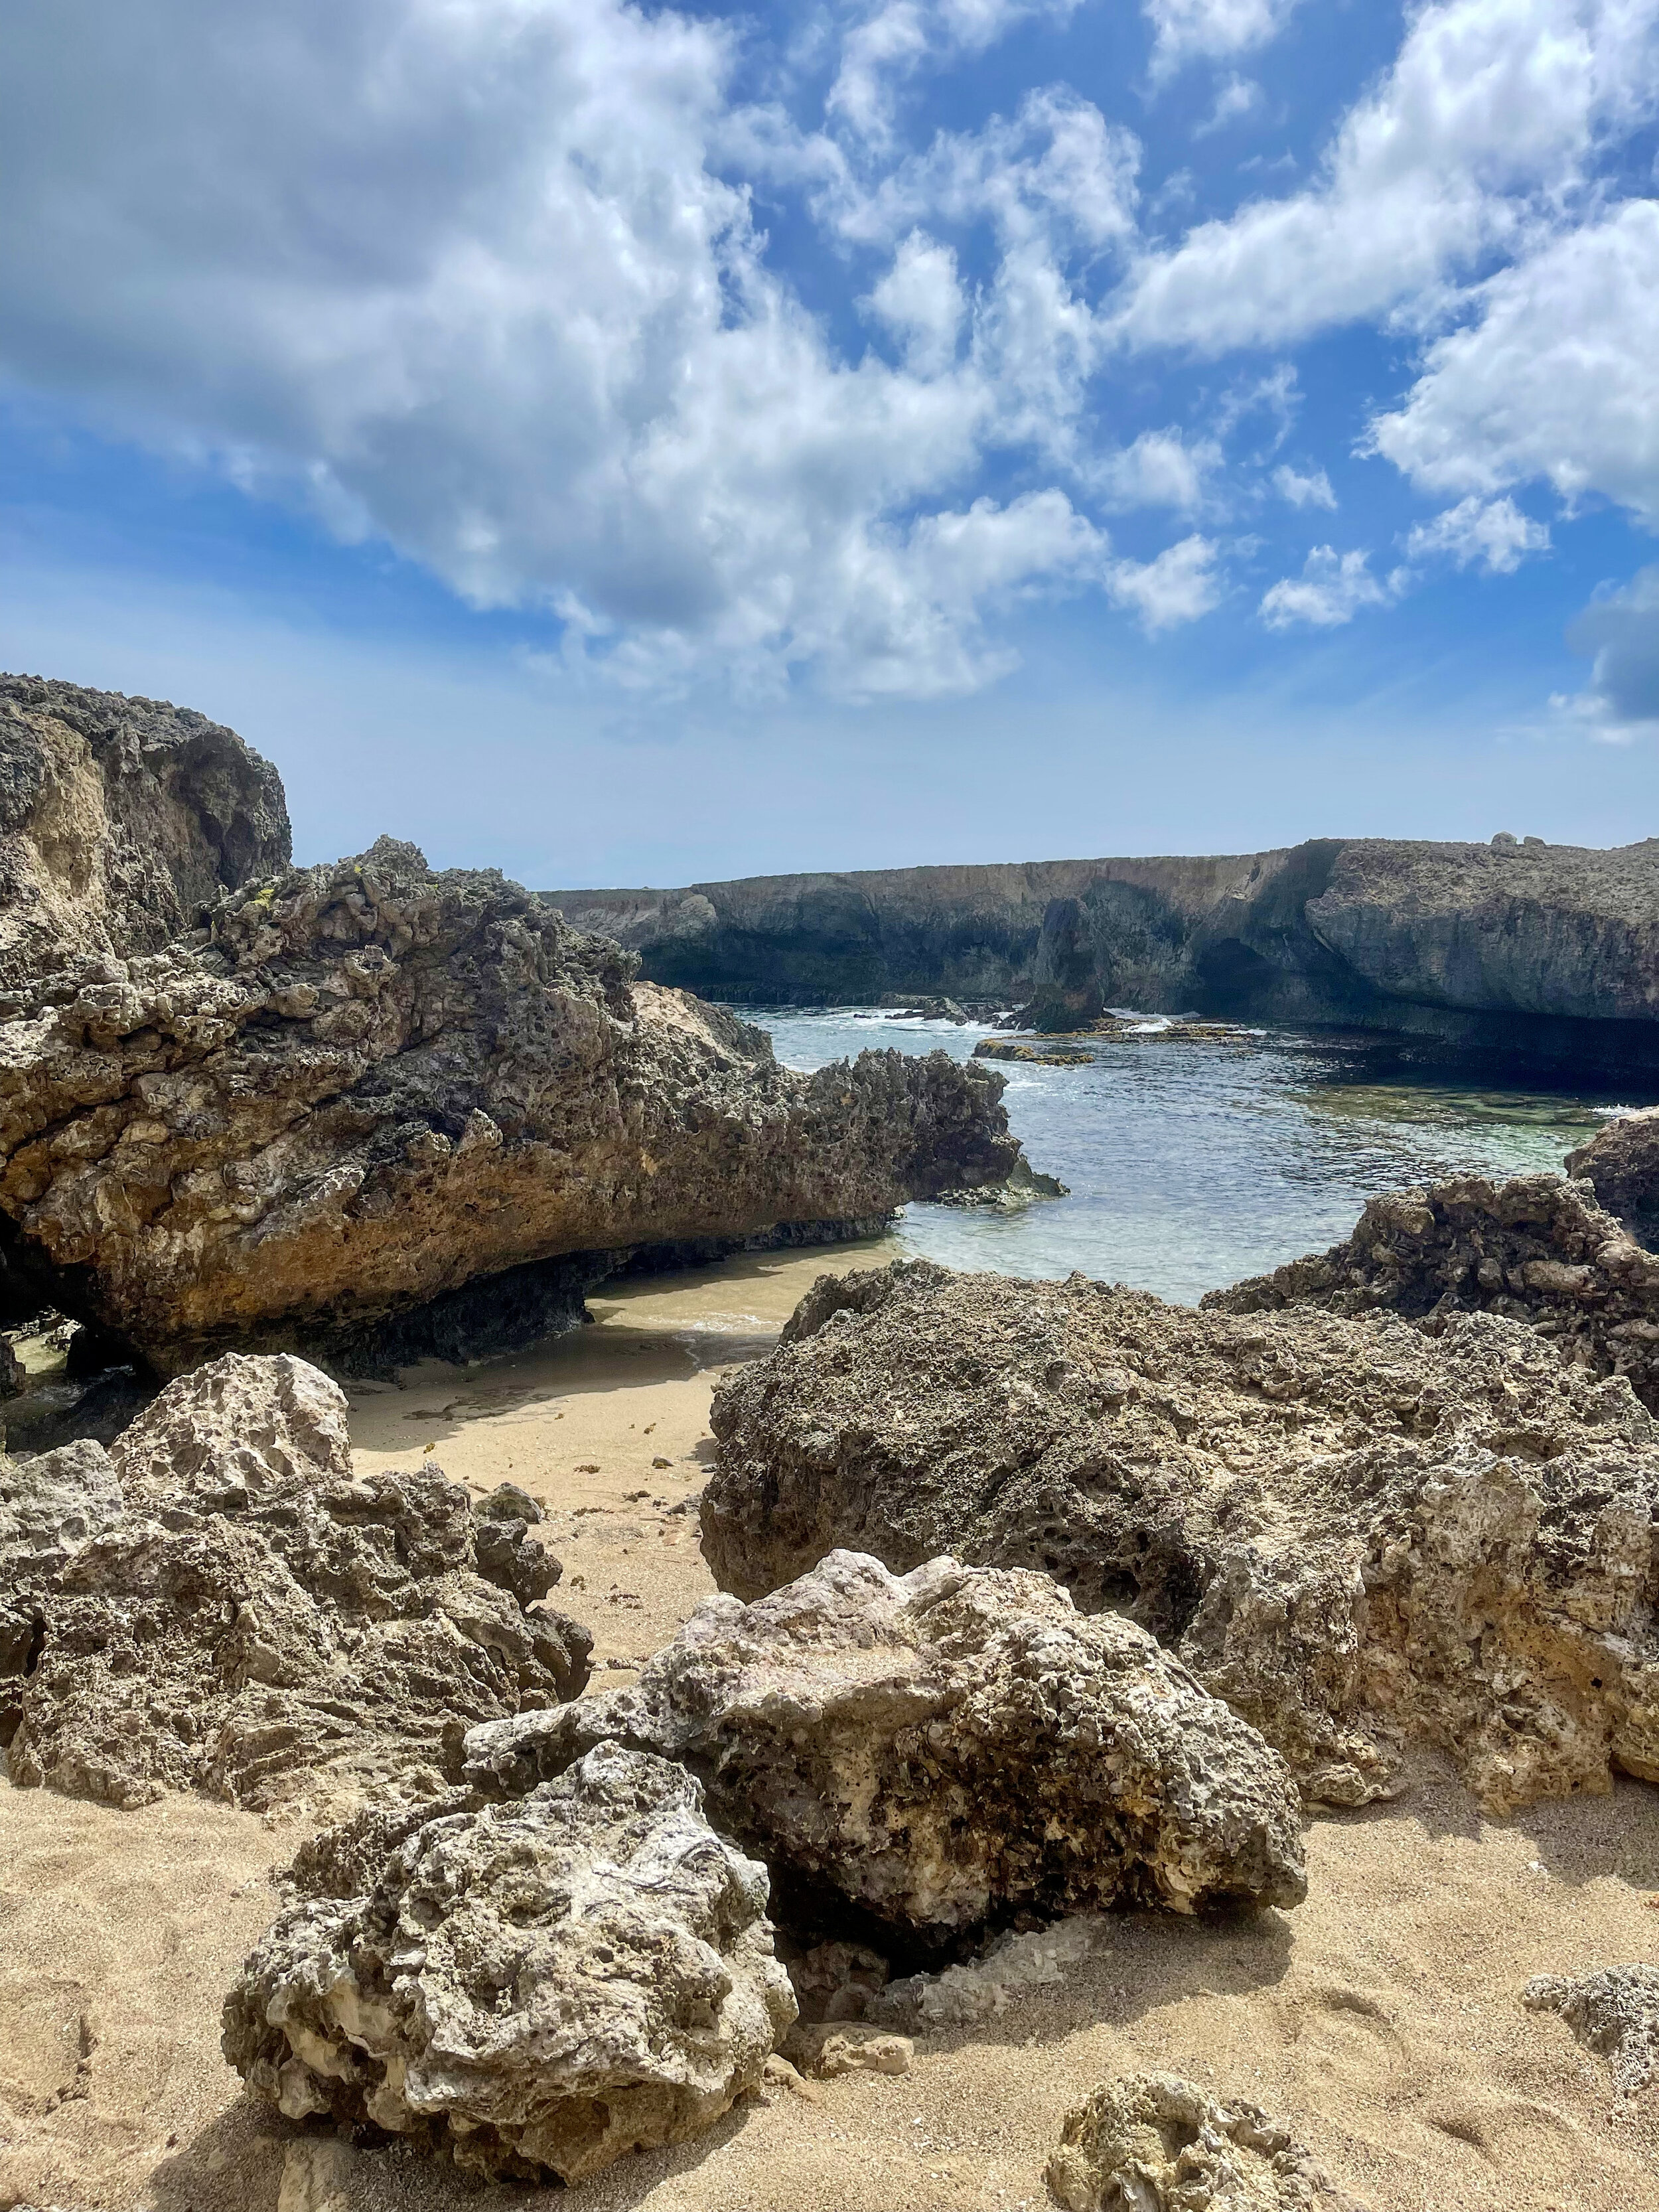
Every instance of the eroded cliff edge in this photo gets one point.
(1543, 951)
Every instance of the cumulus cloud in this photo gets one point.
(1160, 468)
(1178, 586)
(1490, 104)
(1297, 488)
(895, 38)
(1492, 534)
(1620, 629)
(1331, 589)
(1210, 30)
(1553, 378)
(1238, 97)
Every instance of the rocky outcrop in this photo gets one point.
(378, 1112)
(120, 820)
(919, 1758)
(1359, 1534)
(537, 1988)
(1152, 2142)
(215, 1603)
(1535, 1249)
(1621, 1165)
(1536, 953)
(1615, 2013)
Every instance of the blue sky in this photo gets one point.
(631, 446)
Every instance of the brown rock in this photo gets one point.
(1152, 2142)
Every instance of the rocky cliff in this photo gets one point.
(363, 1108)
(1543, 951)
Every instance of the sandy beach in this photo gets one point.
(1382, 2017)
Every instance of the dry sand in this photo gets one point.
(1382, 2018)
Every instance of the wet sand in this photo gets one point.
(1382, 2018)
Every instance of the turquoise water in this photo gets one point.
(1193, 1164)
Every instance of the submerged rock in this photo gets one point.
(382, 1111)
(216, 1604)
(1621, 1164)
(1535, 1249)
(1359, 1536)
(1152, 2142)
(537, 1988)
(1615, 2013)
(923, 1757)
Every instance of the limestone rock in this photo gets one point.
(1152, 2142)
(266, 1625)
(382, 1112)
(1356, 1534)
(119, 819)
(923, 1756)
(1621, 1164)
(974, 1991)
(830, 2048)
(1615, 2013)
(538, 1988)
(1536, 1249)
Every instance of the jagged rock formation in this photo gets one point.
(215, 1603)
(537, 1988)
(921, 1757)
(1535, 1249)
(1530, 951)
(1621, 1164)
(1615, 2013)
(1356, 1534)
(119, 819)
(1152, 2142)
(367, 1109)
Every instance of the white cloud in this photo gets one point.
(1492, 534)
(1312, 489)
(895, 38)
(1554, 380)
(1488, 115)
(1160, 468)
(1178, 586)
(1332, 589)
(1621, 627)
(472, 279)
(1238, 97)
(1210, 30)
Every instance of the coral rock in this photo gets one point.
(921, 1756)
(1356, 1534)
(1615, 2013)
(1156, 2144)
(537, 1987)
(1621, 1164)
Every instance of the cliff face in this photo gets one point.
(1547, 952)
(120, 819)
(365, 1112)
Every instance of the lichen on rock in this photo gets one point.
(921, 1757)
(1359, 1534)
(537, 1988)
(1153, 2143)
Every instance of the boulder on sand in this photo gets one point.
(1359, 1534)
(1152, 2142)
(920, 1758)
(264, 1625)
(1615, 2013)
(538, 1988)
(376, 1112)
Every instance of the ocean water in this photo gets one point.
(1193, 1164)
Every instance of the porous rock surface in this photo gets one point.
(119, 819)
(1621, 1164)
(1356, 1534)
(536, 1987)
(1153, 2143)
(1615, 2013)
(371, 1091)
(215, 1603)
(1536, 1249)
(921, 1756)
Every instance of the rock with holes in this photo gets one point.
(217, 1603)
(536, 1987)
(1152, 2143)
(926, 1755)
(1615, 2013)
(1621, 1165)
(1356, 1534)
